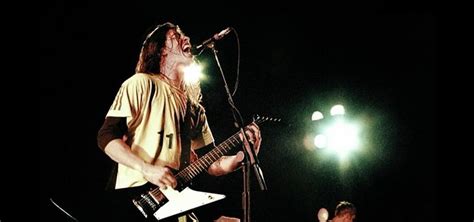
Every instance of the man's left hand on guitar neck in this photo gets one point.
(228, 164)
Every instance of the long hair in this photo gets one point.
(150, 58)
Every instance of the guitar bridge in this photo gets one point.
(146, 205)
(140, 208)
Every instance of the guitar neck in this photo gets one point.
(203, 163)
(151, 201)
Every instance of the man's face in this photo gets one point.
(350, 217)
(178, 47)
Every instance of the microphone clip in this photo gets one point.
(210, 41)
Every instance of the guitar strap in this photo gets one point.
(186, 135)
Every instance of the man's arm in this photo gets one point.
(110, 140)
(228, 164)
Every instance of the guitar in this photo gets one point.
(164, 203)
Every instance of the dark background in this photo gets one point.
(378, 59)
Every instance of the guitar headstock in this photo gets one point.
(260, 119)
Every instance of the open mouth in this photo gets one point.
(187, 49)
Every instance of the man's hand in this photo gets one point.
(159, 175)
(254, 140)
(227, 164)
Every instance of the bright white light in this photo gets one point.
(317, 116)
(342, 137)
(337, 110)
(320, 141)
(323, 215)
(192, 73)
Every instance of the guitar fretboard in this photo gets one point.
(200, 165)
(150, 201)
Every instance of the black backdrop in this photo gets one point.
(376, 58)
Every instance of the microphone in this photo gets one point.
(215, 37)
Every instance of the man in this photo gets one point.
(345, 212)
(156, 121)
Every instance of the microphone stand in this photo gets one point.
(250, 155)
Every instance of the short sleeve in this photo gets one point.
(129, 98)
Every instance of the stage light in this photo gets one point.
(317, 116)
(192, 73)
(320, 141)
(342, 137)
(336, 133)
(337, 110)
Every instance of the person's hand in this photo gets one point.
(254, 137)
(254, 140)
(159, 175)
(227, 164)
